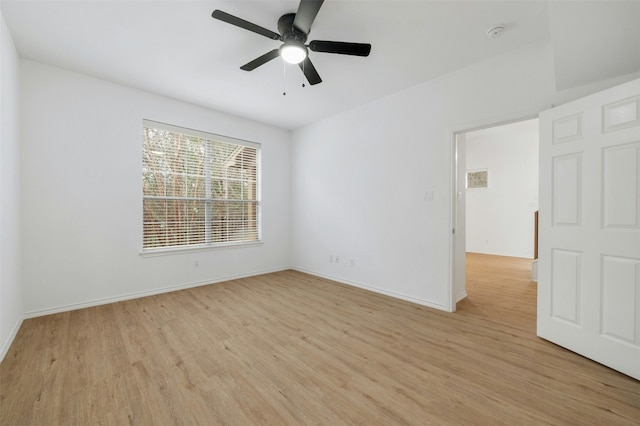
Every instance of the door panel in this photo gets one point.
(589, 244)
(567, 177)
(565, 285)
(621, 183)
(620, 300)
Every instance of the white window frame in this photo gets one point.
(208, 245)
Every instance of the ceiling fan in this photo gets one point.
(294, 29)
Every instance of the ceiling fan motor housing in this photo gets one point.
(289, 33)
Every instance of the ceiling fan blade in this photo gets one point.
(250, 66)
(307, 11)
(234, 20)
(310, 71)
(340, 47)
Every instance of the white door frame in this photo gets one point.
(457, 235)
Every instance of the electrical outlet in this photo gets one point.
(352, 262)
(196, 263)
(330, 258)
(337, 259)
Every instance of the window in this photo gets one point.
(199, 189)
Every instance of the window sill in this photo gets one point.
(183, 250)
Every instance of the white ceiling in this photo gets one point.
(175, 48)
(609, 40)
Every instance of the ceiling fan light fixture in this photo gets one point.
(293, 53)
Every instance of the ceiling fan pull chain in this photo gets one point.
(303, 74)
(284, 78)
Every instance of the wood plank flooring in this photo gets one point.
(288, 348)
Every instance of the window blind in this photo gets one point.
(199, 189)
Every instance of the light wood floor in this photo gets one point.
(288, 348)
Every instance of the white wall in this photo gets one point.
(499, 219)
(10, 284)
(359, 178)
(82, 197)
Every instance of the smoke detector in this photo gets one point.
(495, 32)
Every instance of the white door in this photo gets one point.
(589, 223)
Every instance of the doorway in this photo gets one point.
(496, 195)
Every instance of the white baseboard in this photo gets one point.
(393, 294)
(129, 296)
(461, 296)
(6, 345)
